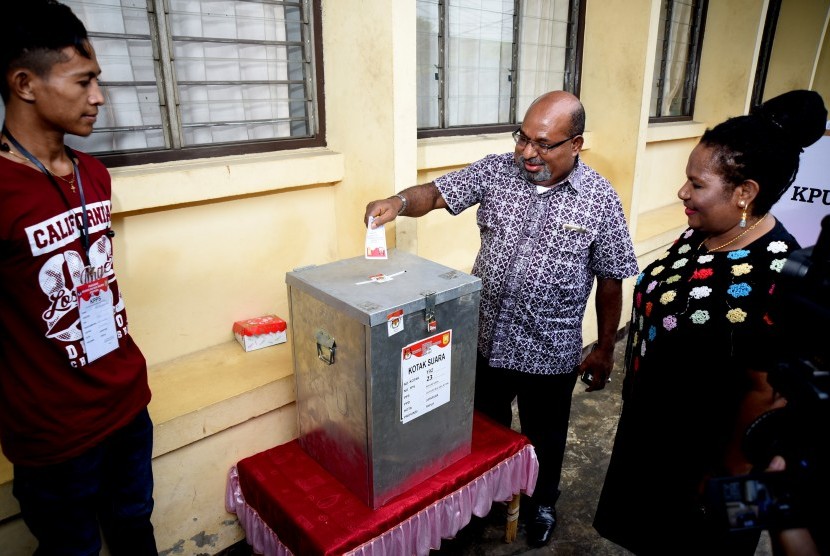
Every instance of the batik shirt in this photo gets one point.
(538, 258)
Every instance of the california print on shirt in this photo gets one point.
(63, 272)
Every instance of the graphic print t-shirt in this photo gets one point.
(54, 404)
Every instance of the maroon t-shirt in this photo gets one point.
(54, 403)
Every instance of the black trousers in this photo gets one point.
(544, 403)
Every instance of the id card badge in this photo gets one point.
(97, 318)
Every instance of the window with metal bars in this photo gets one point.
(677, 60)
(195, 78)
(482, 62)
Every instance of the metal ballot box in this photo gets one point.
(384, 361)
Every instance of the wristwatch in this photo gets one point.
(404, 201)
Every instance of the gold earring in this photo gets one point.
(742, 223)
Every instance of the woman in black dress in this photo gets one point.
(701, 334)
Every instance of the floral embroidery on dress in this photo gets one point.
(736, 315)
(680, 263)
(688, 295)
(668, 297)
(739, 290)
(700, 316)
(700, 292)
(701, 274)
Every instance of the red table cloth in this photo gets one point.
(288, 504)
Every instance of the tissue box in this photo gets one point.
(260, 332)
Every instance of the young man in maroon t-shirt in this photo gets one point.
(73, 384)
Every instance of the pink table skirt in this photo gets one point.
(283, 490)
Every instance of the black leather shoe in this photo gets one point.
(540, 527)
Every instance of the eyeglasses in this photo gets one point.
(542, 148)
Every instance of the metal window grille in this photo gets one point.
(677, 59)
(482, 62)
(188, 78)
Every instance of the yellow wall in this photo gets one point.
(663, 172)
(801, 24)
(728, 60)
(202, 243)
(821, 81)
(369, 49)
(190, 272)
(613, 92)
(439, 236)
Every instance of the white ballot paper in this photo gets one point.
(375, 241)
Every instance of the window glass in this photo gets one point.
(481, 62)
(676, 60)
(429, 66)
(200, 74)
(545, 49)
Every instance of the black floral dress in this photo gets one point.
(699, 320)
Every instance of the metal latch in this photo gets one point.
(326, 347)
(429, 311)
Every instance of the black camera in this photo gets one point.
(798, 496)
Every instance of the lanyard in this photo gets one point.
(33, 159)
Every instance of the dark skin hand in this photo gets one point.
(424, 198)
(547, 121)
(421, 199)
(600, 362)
